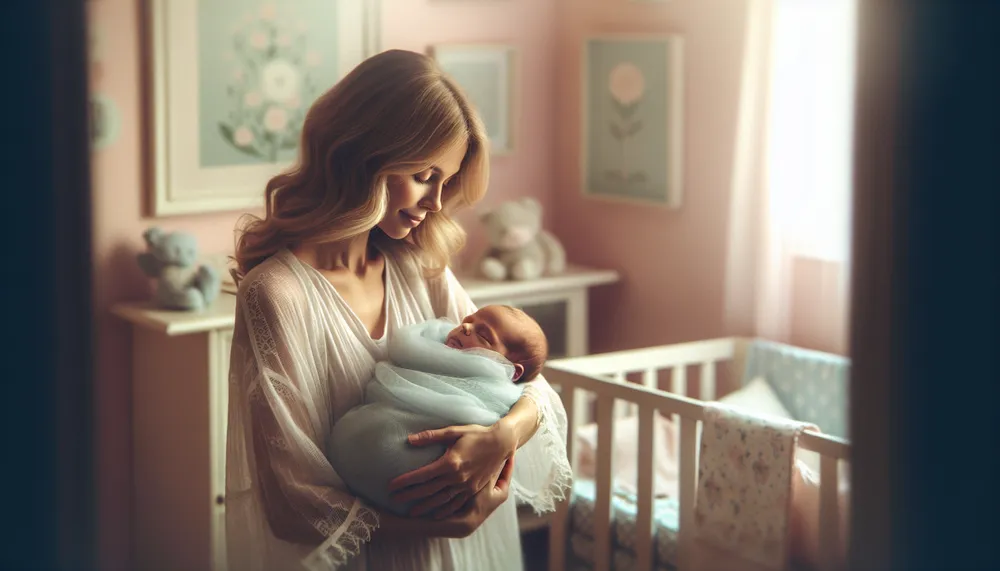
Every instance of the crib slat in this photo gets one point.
(708, 380)
(650, 378)
(644, 483)
(572, 398)
(678, 386)
(558, 544)
(558, 536)
(581, 408)
(688, 488)
(678, 380)
(623, 408)
(602, 509)
(829, 518)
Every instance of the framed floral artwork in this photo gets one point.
(632, 130)
(231, 83)
(486, 72)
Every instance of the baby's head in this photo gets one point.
(508, 331)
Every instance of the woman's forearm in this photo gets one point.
(522, 421)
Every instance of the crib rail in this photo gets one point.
(578, 380)
(704, 356)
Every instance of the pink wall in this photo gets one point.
(526, 24)
(119, 219)
(673, 262)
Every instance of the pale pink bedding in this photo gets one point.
(625, 461)
(804, 516)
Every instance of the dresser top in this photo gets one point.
(219, 315)
(222, 313)
(573, 277)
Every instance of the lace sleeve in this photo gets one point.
(282, 414)
(542, 474)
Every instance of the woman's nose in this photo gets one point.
(432, 201)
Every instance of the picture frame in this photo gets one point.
(630, 85)
(230, 84)
(488, 75)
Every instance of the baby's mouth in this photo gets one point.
(453, 343)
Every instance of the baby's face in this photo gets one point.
(486, 329)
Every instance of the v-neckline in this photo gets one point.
(353, 316)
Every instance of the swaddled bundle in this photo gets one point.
(425, 385)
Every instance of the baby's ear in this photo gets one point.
(518, 372)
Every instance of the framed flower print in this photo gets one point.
(231, 83)
(632, 102)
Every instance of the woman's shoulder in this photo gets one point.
(273, 282)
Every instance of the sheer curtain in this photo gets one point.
(790, 215)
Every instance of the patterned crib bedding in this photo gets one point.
(666, 513)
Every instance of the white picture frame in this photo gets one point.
(199, 49)
(488, 74)
(625, 80)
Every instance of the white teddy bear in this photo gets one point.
(519, 248)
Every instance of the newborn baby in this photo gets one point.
(437, 375)
(507, 331)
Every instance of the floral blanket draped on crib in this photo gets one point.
(744, 490)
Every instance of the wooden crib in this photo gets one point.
(602, 377)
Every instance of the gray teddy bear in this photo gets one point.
(519, 248)
(181, 283)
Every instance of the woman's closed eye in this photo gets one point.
(431, 177)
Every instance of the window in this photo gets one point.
(809, 163)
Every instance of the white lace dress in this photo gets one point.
(300, 359)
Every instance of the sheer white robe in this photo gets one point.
(300, 358)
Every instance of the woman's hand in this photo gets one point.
(483, 504)
(475, 461)
(463, 524)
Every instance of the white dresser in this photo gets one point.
(180, 365)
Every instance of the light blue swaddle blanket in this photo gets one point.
(424, 385)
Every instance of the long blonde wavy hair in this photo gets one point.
(391, 115)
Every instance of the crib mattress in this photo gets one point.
(666, 514)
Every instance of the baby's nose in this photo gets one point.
(466, 328)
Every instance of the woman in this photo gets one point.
(355, 244)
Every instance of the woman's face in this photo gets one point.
(412, 197)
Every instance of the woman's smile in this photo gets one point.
(410, 219)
